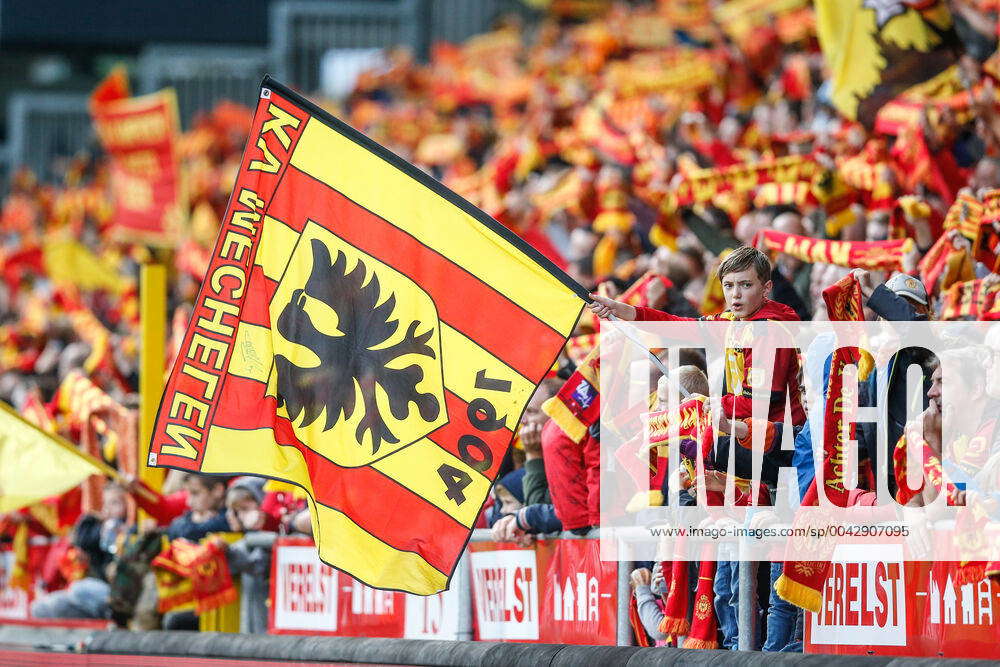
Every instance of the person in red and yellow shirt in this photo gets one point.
(746, 283)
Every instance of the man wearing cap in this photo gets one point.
(901, 299)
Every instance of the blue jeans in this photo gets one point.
(781, 617)
(85, 598)
(795, 644)
(727, 592)
(727, 604)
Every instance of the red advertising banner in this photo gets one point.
(139, 133)
(580, 595)
(891, 607)
(505, 584)
(308, 596)
(15, 603)
(558, 591)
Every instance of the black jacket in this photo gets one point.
(894, 308)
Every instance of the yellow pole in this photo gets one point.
(152, 361)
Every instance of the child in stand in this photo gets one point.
(95, 540)
(250, 558)
(206, 509)
(206, 496)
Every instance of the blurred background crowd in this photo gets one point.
(634, 144)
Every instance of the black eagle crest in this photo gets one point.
(358, 356)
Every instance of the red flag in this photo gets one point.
(139, 134)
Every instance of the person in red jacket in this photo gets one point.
(162, 509)
(746, 282)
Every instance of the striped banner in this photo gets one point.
(367, 335)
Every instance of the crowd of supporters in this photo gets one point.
(584, 136)
(105, 566)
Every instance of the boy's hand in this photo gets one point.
(608, 289)
(734, 427)
(640, 577)
(657, 579)
(531, 440)
(604, 308)
(763, 519)
(503, 529)
(864, 279)
(680, 479)
(959, 241)
(715, 480)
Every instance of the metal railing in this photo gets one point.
(457, 20)
(44, 126)
(202, 76)
(254, 589)
(301, 33)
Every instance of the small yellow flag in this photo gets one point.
(69, 262)
(35, 465)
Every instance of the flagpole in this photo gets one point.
(652, 357)
(152, 353)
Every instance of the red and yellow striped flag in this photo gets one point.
(367, 335)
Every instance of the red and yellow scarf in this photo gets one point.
(872, 255)
(187, 572)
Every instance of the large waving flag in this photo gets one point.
(35, 465)
(876, 49)
(366, 334)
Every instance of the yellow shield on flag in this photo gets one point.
(357, 352)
